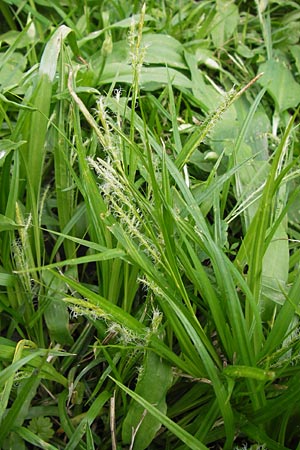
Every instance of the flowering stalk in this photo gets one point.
(137, 54)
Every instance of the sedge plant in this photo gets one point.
(149, 226)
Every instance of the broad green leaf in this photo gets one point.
(154, 73)
(11, 36)
(295, 50)
(178, 431)
(56, 313)
(7, 349)
(50, 55)
(275, 272)
(171, 56)
(153, 384)
(150, 77)
(57, 321)
(283, 319)
(11, 71)
(164, 50)
(206, 94)
(280, 84)
(225, 22)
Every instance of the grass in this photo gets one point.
(149, 225)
